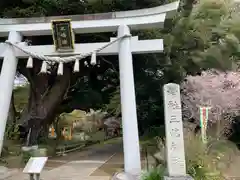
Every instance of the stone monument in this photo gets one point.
(176, 165)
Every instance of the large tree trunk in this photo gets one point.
(45, 96)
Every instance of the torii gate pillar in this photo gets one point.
(7, 77)
(132, 162)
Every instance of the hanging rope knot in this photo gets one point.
(94, 58)
(60, 68)
(76, 66)
(30, 62)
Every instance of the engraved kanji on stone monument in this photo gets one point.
(174, 131)
(171, 90)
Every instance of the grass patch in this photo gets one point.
(154, 174)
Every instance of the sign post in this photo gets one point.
(176, 164)
(34, 167)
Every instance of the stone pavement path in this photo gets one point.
(84, 165)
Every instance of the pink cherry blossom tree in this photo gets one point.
(219, 90)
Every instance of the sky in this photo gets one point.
(20, 81)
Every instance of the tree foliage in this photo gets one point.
(218, 90)
(204, 38)
(36, 8)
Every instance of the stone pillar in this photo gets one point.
(176, 164)
(7, 77)
(132, 162)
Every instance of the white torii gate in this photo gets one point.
(122, 22)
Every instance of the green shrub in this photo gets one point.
(26, 155)
(154, 174)
(204, 161)
(200, 164)
(12, 132)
